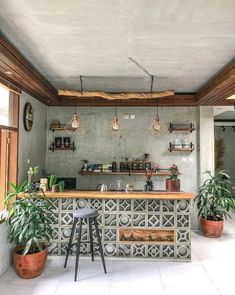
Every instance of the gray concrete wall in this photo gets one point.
(229, 141)
(32, 145)
(100, 144)
(5, 249)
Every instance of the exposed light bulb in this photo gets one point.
(75, 122)
(156, 124)
(115, 124)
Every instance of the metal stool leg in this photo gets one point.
(91, 239)
(78, 249)
(70, 242)
(100, 245)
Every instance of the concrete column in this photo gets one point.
(206, 141)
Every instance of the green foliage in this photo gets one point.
(52, 181)
(174, 172)
(219, 152)
(27, 217)
(214, 200)
(61, 185)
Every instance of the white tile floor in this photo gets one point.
(211, 272)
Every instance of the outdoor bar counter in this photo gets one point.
(134, 224)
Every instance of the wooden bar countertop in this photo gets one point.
(161, 195)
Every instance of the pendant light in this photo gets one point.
(74, 123)
(156, 123)
(115, 123)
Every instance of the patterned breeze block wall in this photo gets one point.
(114, 214)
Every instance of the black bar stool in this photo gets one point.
(91, 216)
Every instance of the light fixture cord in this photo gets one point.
(151, 90)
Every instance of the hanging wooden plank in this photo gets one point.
(115, 96)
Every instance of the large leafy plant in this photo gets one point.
(26, 212)
(213, 199)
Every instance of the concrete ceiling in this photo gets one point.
(183, 43)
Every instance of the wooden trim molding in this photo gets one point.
(219, 88)
(18, 74)
(18, 71)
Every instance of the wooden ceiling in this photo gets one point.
(17, 73)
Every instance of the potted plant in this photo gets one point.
(214, 202)
(56, 187)
(173, 183)
(26, 213)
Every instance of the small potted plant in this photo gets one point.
(56, 187)
(26, 214)
(214, 202)
(173, 183)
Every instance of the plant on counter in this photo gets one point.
(26, 213)
(173, 183)
(56, 187)
(214, 202)
(174, 172)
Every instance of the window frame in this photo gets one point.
(13, 128)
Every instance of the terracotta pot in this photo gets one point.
(210, 228)
(30, 265)
(55, 188)
(172, 185)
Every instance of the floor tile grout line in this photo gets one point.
(214, 284)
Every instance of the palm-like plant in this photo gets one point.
(26, 212)
(214, 200)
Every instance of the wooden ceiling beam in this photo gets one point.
(221, 86)
(176, 100)
(12, 60)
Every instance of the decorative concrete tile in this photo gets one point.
(65, 233)
(85, 236)
(124, 250)
(183, 236)
(183, 221)
(124, 205)
(140, 205)
(183, 206)
(154, 220)
(82, 203)
(168, 221)
(53, 248)
(168, 206)
(110, 234)
(168, 251)
(110, 249)
(153, 205)
(66, 218)
(54, 217)
(114, 214)
(110, 205)
(110, 219)
(139, 250)
(154, 251)
(55, 232)
(67, 204)
(183, 251)
(54, 204)
(97, 204)
(125, 219)
(139, 220)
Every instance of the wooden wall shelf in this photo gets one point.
(175, 148)
(181, 127)
(61, 128)
(159, 173)
(71, 148)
